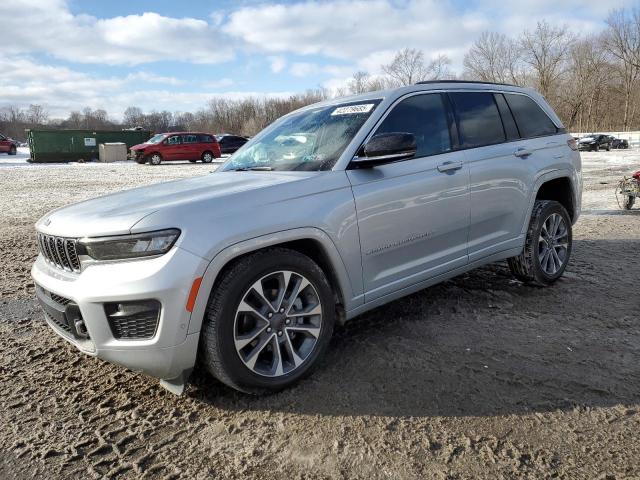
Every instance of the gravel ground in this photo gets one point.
(479, 377)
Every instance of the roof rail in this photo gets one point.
(426, 82)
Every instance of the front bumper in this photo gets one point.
(171, 350)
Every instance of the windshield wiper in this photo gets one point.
(253, 169)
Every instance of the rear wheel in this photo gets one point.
(547, 246)
(269, 319)
(628, 201)
(207, 157)
(155, 159)
(12, 150)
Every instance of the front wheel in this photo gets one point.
(155, 159)
(269, 319)
(547, 246)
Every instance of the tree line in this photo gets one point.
(592, 82)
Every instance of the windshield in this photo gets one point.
(311, 140)
(156, 139)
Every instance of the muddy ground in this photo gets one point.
(480, 377)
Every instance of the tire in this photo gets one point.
(12, 150)
(608, 148)
(532, 265)
(141, 160)
(596, 148)
(155, 159)
(223, 321)
(207, 157)
(628, 202)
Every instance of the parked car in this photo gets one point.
(230, 143)
(8, 145)
(595, 142)
(190, 146)
(619, 143)
(333, 210)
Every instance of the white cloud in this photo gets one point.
(277, 63)
(48, 26)
(61, 90)
(153, 78)
(221, 83)
(303, 69)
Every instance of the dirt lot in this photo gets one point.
(480, 377)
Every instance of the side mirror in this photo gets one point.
(386, 148)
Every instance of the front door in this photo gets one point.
(172, 148)
(413, 215)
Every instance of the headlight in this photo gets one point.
(122, 247)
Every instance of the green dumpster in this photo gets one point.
(48, 145)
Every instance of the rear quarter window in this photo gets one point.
(478, 118)
(531, 119)
(206, 138)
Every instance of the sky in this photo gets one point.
(176, 55)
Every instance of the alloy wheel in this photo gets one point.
(553, 244)
(277, 324)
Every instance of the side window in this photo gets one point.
(531, 119)
(206, 138)
(478, 118)
(174, 140)
(424, 116)
(508, 122)
(190, 139)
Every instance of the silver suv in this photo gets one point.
(331, 211)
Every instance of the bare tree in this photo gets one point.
(494, 58)
(36, 115)
(407, 67)
(545, 50)
(622, 41)
(359, 83)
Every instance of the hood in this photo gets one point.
(117, 213)
(140, 146)
(587, 139)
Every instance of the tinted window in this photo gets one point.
(175, 140)
(190, 139)
(426, 118)
(206, 138)
(478, 119)
(531, 119)
(507, 118)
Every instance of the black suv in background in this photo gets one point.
(595, 142)
(230, 143)
(619, 143)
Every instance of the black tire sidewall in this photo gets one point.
(547, 211)
(13, 150)
(229, 359)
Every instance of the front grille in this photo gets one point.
(133, 320)
(60, 252)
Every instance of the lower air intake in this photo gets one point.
(133, 320)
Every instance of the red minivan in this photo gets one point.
(192, 146)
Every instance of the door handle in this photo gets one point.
(449, 166)
(522, 152)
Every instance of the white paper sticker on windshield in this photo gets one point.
(351, 109)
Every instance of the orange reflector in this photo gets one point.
(191, 301)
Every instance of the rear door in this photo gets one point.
(192, 148)
(503, 164)
(413, 215)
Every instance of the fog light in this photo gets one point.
(133, 320)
